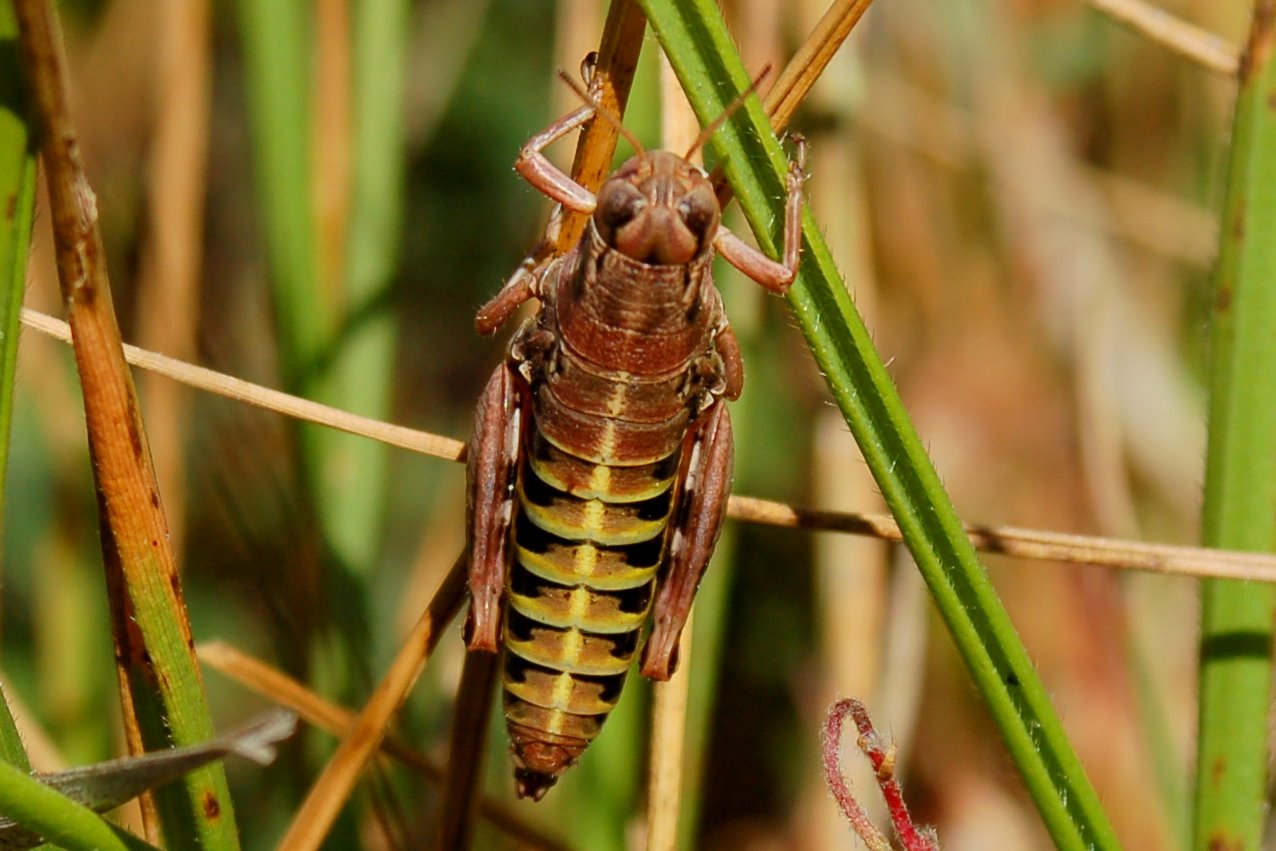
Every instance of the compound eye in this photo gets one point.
(699, 214)
(616, 208)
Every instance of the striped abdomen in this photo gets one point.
(581, 585)
(611, 401)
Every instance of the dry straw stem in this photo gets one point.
(152, 636)
(670, 699)
(806, 66)
(230, 387)
(331, 790)
(471, 709)
(168, 284)
(799, 76)
(617, 60)
(668, 740)
(1036, 544)
(282, 689)
(1187, 40)
(331, 140)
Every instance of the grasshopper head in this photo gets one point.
(658, 209)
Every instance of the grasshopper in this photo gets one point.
(600, 462)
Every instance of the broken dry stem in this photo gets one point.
(465, 752)
(332, 789)
(614, 69)
(159, 676)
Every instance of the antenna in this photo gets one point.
(604, 113)
(707, 133)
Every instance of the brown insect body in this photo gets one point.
(601, 457)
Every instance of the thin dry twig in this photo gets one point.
(331, 790)
(264, 397)
(1014, 541)
(282, 689)
(1034, 544)
(1187, 40)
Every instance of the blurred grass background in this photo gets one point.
(1024, 169)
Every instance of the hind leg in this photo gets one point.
(705, 484)
(492, 474)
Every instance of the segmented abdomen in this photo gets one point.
(589, 538)
(611, 403)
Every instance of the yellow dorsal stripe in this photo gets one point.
(561, 571)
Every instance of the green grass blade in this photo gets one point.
(17, 207)
(700, 49)
(1240, 481)
(52, 815)
(17, 201)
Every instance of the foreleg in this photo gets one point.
(771, 274)
(705, 484)
(549, 178)
(542, 174)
